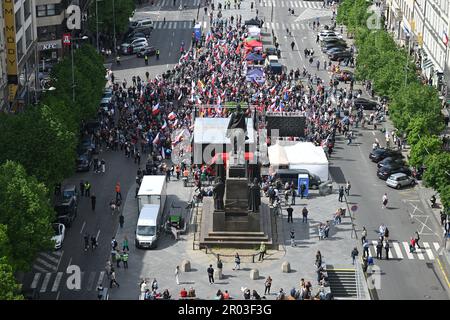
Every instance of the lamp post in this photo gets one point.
(73, 68)
(114, 25)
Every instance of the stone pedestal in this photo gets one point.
(185, 266)
(218, 274)
(254, 274)
(286, 267)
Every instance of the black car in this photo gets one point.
(69, 192)
(271, 51)
(339, 56)
(381, 153)
(365, 104)
(289, 175)
(91, 126)
(395, 160)
(89, 144)
(385, 171)
(84, 162)
(149, 51)
(66, 211)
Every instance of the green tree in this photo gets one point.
(424, 148)
(26, 211)
(444, 193)
(438, 168)
(427, 124)
(123, 10)
(9, 288)
(353, 13)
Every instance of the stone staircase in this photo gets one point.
(343, 283)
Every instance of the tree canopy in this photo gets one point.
(425, 147)
(123, 10)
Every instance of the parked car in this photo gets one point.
(66, 211)
(88, 143)
(91, 127)
(84, 162)
(366, 104)
(381, 153)
(60, 231)
(329, 35)
(339, 56)
(399, 180)
(141, 24)
(395, 159)
(135, 35)
(149, 51)
(271, 51)
(70, 191)
(384, 172)
(334, 46)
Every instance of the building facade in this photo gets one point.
(3, 74)
(424, 27)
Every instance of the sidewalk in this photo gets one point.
(160, 263)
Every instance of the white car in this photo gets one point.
(135, 46)
(329, 36)
(399, 180)
(60, 231)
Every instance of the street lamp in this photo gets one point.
(96, 21)
(114, 25)
(73, 70)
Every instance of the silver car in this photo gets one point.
(136, 45)
(399, 180)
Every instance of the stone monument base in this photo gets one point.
(229, 230)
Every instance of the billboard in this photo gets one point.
(11, 48)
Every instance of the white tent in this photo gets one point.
(254, 31)
(300, 155)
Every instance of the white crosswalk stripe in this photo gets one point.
(170, 25)
(436, 246)
(419, 254)
(57, 281)
(282, 4)
(100, 278)
(45, 282)
(47, 261)
(397, 250)
(36, 278)
(204, 24)
(428, 250)
(408, 254)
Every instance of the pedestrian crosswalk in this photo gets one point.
(292, 4)
(177, 25)
(177, 3)
(284, 26)
(47, 261)
(400, 251)
(54, 281)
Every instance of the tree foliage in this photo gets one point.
(123, 10)
(353, 13)
(27, 213)
(422, 125)
(438, 168)
(9, 288)
(425, 147)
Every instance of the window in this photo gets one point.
(18, 18)
(29, 36)
(51, 9)
(19, 49)
(27, 9)
(41, 11)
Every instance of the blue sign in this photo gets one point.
(303, 179)
(198, 32)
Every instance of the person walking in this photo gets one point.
(365, 248)
(82, 188)
(293, 194)
(386, 248)
(305, 215)
(302, 190)
(118, 191)
(341, 193)
(412, 245)
(121, 220)
(354, 254)
(292, 45)
(125, 244)
(237, 262)
(118, 258)
(87, 189)
(124, 258)
(100, 292)
(318, 262)
(262, 251)
(93, 201)
(157, 54)
(113, 280)
(290, 211)
(384, 201)
(416, 239)
(347, 188)
(267, 285)
(210, 272)
(108, 268)
(177, 274)
(292, 236)
(103, 164)
(379, 249)
(363, 235)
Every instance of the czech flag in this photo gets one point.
(272, 91)
(445, 38)
(172, 116)
(164, 126)
(155, 109)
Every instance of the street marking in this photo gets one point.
(45, 283)
(57, 281)
(419, 254)
(82, 227)
(373, 133)
(443, 272)
(100, 278)
(374, 243)
(48, 265)
(397, 249)
(39, 269)
(283, 27)
(204, 25)
(91, 280)
(282, 4)
(36, 278)
(49, 257)
(170, 25)
(276, 24)
(98, 234)
(303, 26)
(409, 254)
(70, 261)
(428, 250)
(436, 246)
(57, 296)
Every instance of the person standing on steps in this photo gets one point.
(210, 272)
(262, 251)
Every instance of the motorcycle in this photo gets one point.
(433, 202)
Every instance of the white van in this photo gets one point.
(141, 24)
(271, 59)
(148, 226)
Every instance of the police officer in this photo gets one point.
(124, 259)
(146, 59)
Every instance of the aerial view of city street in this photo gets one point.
(224, 150)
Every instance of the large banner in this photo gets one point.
(11, 48)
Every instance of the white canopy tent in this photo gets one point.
(254, 31)
(300, 155)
